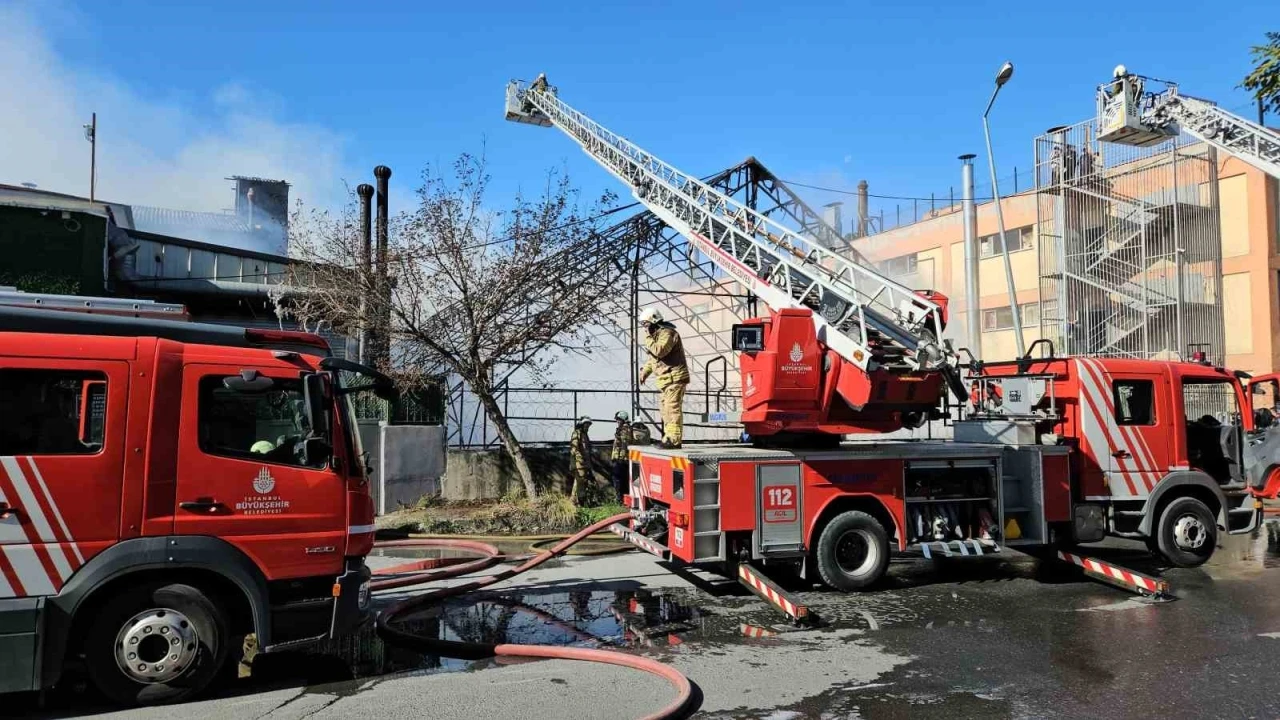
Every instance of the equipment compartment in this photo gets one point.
(951, 500)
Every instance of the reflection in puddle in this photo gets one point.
(1259, 549)
(582, 618)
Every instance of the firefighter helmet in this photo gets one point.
(650, 315)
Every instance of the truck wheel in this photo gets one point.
(159, 643)
(1186, 532)
(853, 551)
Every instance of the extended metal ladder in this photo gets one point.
(866, 318)
(131, 307)
(1127, 115)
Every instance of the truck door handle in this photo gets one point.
(7, 511)
(1120, 454)
(206, 505)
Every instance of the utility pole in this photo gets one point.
(973, 325)
(91, 134)
(1006, 72)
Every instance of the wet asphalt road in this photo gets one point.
(1008, 637)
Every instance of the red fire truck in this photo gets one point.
(167, 487)
(1050, 451)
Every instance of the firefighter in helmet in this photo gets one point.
(667, 364)
(580, 456)
(618, 455)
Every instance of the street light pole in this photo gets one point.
(91, 134)
(1006, 72)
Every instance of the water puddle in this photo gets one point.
(624, 619)
(1259, 549)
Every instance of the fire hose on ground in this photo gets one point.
(433, 569)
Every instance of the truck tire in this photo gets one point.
(157, 643)
(853, 551)
(1186, 532)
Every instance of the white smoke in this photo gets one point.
(151, 151)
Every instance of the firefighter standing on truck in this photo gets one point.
(618, 455)
(666, 361)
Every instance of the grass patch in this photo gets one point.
(548, 514)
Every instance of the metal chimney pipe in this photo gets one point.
(973, 319)
(383, 174)
(833, 217)
(249, 197)
(862, 208)
(365, 191)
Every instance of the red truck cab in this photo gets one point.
(1167, 452)
(166, 488)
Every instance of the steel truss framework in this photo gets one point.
(668, 272)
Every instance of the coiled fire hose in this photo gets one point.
(421, 571)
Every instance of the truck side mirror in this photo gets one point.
(93, 411)
(315, 403)
(315, 451)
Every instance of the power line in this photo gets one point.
(572, 223)
(854, 193)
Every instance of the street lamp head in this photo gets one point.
(1006, 72)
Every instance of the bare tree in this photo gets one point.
(474, 292)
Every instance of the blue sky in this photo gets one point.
(824, 93)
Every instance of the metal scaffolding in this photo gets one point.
(1129, 246)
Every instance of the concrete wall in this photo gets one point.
(490, 474)
(409, 465)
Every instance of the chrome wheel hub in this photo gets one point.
(1189, 533)
(156, 646)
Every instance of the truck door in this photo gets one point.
(1134, 420)
(62, 427)
(1262, 448)
(1214, 427)
(242, 475)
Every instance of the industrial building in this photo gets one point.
(930, 253)
(68, 245)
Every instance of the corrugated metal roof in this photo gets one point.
(165, 221)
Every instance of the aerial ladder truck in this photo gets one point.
(1050, 451)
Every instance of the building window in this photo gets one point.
(1017, 239)
(997, 319)
(52, 412)
(1002, 318)
(263, 426)
(1135, 402)
(1030, 314)
(901, 265)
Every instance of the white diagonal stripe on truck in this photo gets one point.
(31, 573)
(11, 532)
(6, 590)
(33, 509)
(57, 514)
